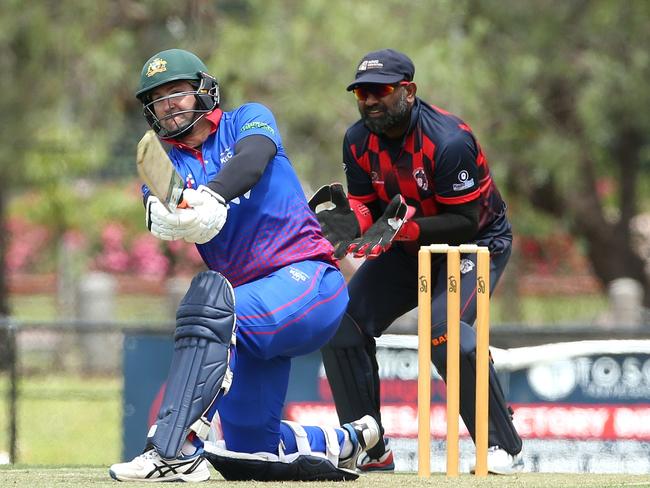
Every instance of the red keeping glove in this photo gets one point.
(380, 236)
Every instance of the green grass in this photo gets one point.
(61, 476)
(128, 308)
(549, 310)
(66, 420)
(528, 310)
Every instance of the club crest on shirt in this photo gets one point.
(189, 181)
(374, 177)
(466, 265)
(421, 179)
(297, 274)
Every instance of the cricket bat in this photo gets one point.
(157, 171)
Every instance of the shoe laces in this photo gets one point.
(151, 454)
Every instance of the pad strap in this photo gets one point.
(262, 466)
(332, 447)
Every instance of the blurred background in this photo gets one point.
(556, 91)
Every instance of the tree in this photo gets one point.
(565, 85)
(555, 91)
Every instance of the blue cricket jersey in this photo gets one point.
(268, 227)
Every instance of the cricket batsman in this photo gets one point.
(272, 292)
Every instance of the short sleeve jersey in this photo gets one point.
(269, 226)
(439, 161)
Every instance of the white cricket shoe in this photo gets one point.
(364, 434)
(149, 466)
(500, 461)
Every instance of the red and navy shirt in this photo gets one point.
(439, 161)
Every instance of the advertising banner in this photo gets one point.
(579, 406)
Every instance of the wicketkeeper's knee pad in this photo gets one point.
(502, 431)
(303, 465)
(200, 371)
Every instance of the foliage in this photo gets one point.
(551, 88)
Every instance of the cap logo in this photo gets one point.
(158, 65)
(367, 64)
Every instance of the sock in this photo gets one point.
(191, 444)
(188, 448)
(347, 446)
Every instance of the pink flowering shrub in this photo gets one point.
(113, 256)
(27, 244)
(144, 255)
(147, 256)
(32, 250)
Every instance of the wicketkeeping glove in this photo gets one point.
(211, 213)
(169, 226)
(339, 225)
(379, 237)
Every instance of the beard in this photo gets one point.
(176, 128)
(392, 117)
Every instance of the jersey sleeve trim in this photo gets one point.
(460, 199)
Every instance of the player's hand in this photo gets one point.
(211, 212)
(169, 226)
(379, 237)
(339, 225)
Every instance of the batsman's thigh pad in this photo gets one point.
(200, 371)
(502, 431)
(303, 465)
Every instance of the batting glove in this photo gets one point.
(169, 226)
(211, 212)
(380, 236)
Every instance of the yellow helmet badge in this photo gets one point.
(158, 65)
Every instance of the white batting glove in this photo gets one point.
(169, 226)
(211, 212)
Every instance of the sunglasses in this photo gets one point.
(362, 92)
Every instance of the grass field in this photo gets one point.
(533, 310)
(61, 417)
(61, 476)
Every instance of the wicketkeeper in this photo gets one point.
(416, 175)
(273, 291)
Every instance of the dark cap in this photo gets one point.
(384, 66)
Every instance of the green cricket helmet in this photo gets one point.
(175, 65)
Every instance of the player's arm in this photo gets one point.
(455, 224)
(245, 168)
(257, 143)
